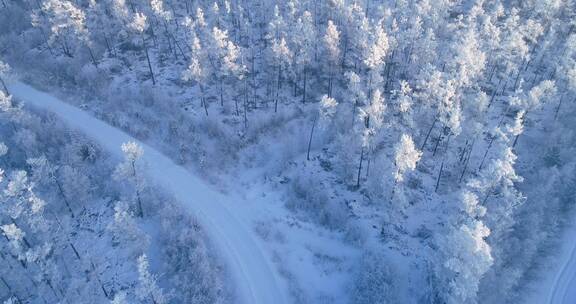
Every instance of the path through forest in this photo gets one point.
(563, 288)
(255, 278)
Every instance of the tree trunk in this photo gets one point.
(108, 46)
(148, 59)
(558, 108)
(467, 161)
(304, 93)
(368, 165)
(8, 92)
(221, 93)
(360, 167)
(310, 139)
(439, 175)
(92, 57)
(354, 111)
(245, 103)
(202, 100)
(278, 86)
(486, 153)
(428, 134)
(138, 199)
(442, 165)
(345, 52)
(63, 196)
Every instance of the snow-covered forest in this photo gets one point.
(378, 151)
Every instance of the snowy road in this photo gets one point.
(254, 276)
(563, 288)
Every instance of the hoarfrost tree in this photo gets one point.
(374, 55)
(332, 46)
(356, 92)
(148, 289)
(130, 171)
(468, 259)
(304, 46)
(44, 172)
(326, 113)
(67, 25)
(282, 58)
(196, 70)
(372, 114)
(139, 24)
(226, 58)
(125, 231)
(406, 156)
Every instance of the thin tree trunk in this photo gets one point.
(467, 161)
(354, 111)
(368, 165)
(278, 86)
(99, 281)
(439, 175)
(486, 153)
(108, 46)
(360, 167)
(442, 165)
(305, 76)
(8, 92)
(437, 144)
(92, 56)
(330, 81)
(202, 100)
(345, 52)
(64, 196)
(148, 59)
(428, 134)
(558, 107)
(138, 199)
(310, 139)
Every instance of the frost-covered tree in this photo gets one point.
(120, 298)
(125, 231)
(305, 46)
(226, 57)
(332, 46)
(374, 55)
(468, 259)
(326, 113)
(67, 24)
(148, 289)
(406, 157)
(197, 68)
(282, 59)
(130, 171)
(139, 24)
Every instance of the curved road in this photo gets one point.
(255, 278)
(563, 289)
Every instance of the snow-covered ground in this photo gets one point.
(252, 271)
(558, 283)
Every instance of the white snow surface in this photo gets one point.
(255, 278)
(558, 285)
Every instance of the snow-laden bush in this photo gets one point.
(375, 281)
(313, 199)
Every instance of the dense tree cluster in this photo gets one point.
(407, 102)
